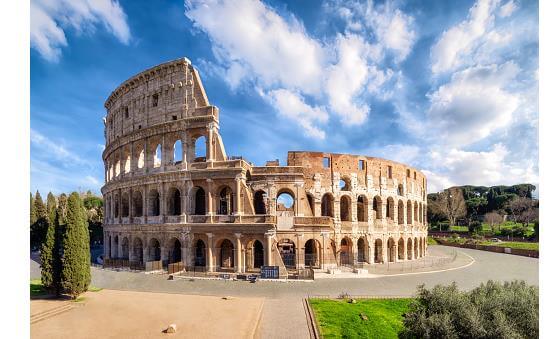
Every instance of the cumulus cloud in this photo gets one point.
(50, 19)
(256, 44)
(491, 167)
(53, 149)
(473, 104)
(507, 9)
(459, 41)
(293, 107)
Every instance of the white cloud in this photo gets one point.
(50, 19)
(252, 37)
(52, 149)
(293, 107)
(493, 167)
(459, 41)
(346, 78)
(254, 44)
(507, 9)
(473, 104)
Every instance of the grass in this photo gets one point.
(340, 319)
(431, 241)
(518, 245)
(37, 289)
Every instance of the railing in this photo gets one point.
(176, 267)
(125, 220)
(123, 263)
(197, 218)
(153, 219)
(138, 220)
(153, 265)
(321, 221)
(174, 219)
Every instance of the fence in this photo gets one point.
(175, 267)
(153, 265)
(123, 263)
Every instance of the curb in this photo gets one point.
(312, 325)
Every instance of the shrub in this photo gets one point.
(492, 310)
(475, 227)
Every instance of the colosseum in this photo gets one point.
(172, 195)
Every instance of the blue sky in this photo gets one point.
(448, 87)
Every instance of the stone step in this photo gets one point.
(51, 313)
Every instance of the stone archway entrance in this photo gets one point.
(226, 254)
(287, 250)
(378, 251)
(311, 253)
(200, 253)
(345, 252)
(258, 250)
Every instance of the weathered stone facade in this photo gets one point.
(164, 201)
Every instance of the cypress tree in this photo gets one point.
(32, 212)
(38, 228)
(49, 254)
(60, 224)
(76, 249)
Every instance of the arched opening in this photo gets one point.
(259, 202)
(378, 251)
(377, 207)
(391, 250)
(258, 250)
(175, 251)
(114, 250)
(311, 203)
(409, 212)
(178, 152)
(400, 213)
(390, 209)
(345, 252)
(344, 184)
(125, 248)
(117, 205)
(200, 253)
(345, 208)
(157, 161)
(154, 250)
(287, 250)
(154, 202)
(174, 201)
(400, 190)
(327, 204)
(416, 248)
(362, 209)
(285, 202)
(415, 211)
(138, 250)
(200, 201)
(311, 253)
(137, 203)
(200, 149)
(141, 159)
(117, 168)
(361, 250)
(226, 254)
(226, 201)
(409, 249)
(125, 205)
(401, 249)
(127, 164)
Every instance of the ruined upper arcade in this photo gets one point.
(172, 195)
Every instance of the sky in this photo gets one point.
(449, 87)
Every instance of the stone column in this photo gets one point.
(209, 261)
(119, 206)
(106, 246)
(184, 150)
(163, 154)
(371, 252)
(209, 198)
(133, 162)
(131, 206)
(162, 204)
(145, 203)
(237, 210)
(355, 250)
(268, 241)
(238, 267)
(209, 146)
(145, 155)
(395, 254)
(297, 209)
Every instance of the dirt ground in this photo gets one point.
(128, 314)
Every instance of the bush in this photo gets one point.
(492, 310)
(475, 227)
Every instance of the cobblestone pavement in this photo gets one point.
(284, 316)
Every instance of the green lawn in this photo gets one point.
(340, 319)
(519, 245)
(37, 289)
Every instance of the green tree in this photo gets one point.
(492, 310)
(38, 228)
(94, 215)
(76, 249)
(32, 212)
(50, 254)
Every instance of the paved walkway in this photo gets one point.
(283, 308)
